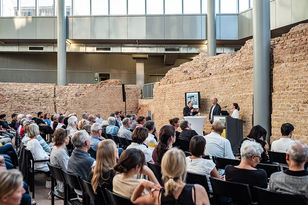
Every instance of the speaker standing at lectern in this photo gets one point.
(189, 110)
(215, 110)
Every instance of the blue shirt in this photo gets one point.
(94, 142)
(112, 130)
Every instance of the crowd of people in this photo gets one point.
(66, 142)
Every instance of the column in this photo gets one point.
(211, 28)
(261, 63)
(140, 72)
(61, 42)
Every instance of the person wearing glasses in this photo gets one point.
(246, 172)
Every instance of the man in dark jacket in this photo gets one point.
(215, 110)
(189, 110)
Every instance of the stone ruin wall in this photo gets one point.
(104, 97)
(229, 77)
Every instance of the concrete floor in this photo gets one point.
(41, 192)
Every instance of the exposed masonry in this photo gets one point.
(105, 97)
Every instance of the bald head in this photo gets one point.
(298, 153)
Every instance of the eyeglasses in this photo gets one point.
(260, 158)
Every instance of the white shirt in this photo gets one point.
(150, 141)
(282, 145)
(147, 152)
(200, 166)
(235, 114)
(38, 153)
(218, 146)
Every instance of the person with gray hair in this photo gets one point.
(111, 128)
(72, 124)
(246, 172)
(295, 179)
(134, 122)
(124, 129)
(96, 135)
(80, 162)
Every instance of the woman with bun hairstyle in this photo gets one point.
(175, 190)
(166, 140)
(129, 168)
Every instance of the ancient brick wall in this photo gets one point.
(105, 98)
(229, 77)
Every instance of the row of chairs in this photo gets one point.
(221, 163)
(238, 193)
(26, 166)
(72, 182)
(120, 141)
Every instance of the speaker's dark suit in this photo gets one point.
(216, 111)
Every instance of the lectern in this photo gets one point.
(234, 131)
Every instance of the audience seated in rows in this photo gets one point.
(96, 135)
(187, 133)
(36, 148)
(138, 138)
(166, 140)
(246, 172)
(80, 162)
(151, 139)
(140, 121)
(258, 134)
(175, 122)
(59, 156)
(175, 190)
(294, 180)
(198, 165)
(283, 144)
(130, 167)
(101, 175)
(124, 130)
(216, 145)
(112, 129)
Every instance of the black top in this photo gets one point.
(4, 125)
(187, 111)
(296, 173)
(187, 134)
(216, 111)
(14, 124)
(184, 198)
(177, 134)
(256, 177)
(106, 179)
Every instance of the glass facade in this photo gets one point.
(45, 7)
(119, 7)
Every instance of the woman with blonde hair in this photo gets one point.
(175, 190)
(102, 173)
(11, 187)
